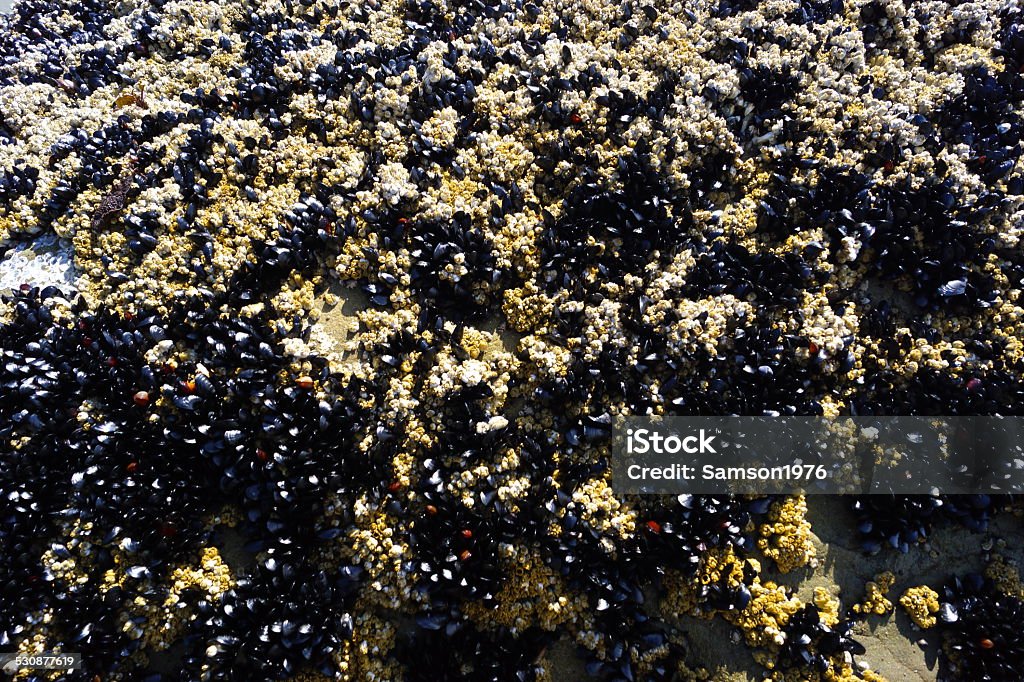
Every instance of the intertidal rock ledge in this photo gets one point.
(317, 379)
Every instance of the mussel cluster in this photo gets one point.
(534, 217)
(980, 626)
(140, 453)
(900, 521)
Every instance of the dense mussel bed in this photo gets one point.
(535, 217)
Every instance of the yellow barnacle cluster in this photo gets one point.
(597, 503)
(841, 671)
(763, 620)
(377, 544)
(1005, 575)
(786, 538)
(717, 567)
(921, 604)
(531, 594)
(366, 655)
(159, 624)
(875, 601)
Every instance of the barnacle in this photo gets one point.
(921, 604)
(785, 538)
(875, 601)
